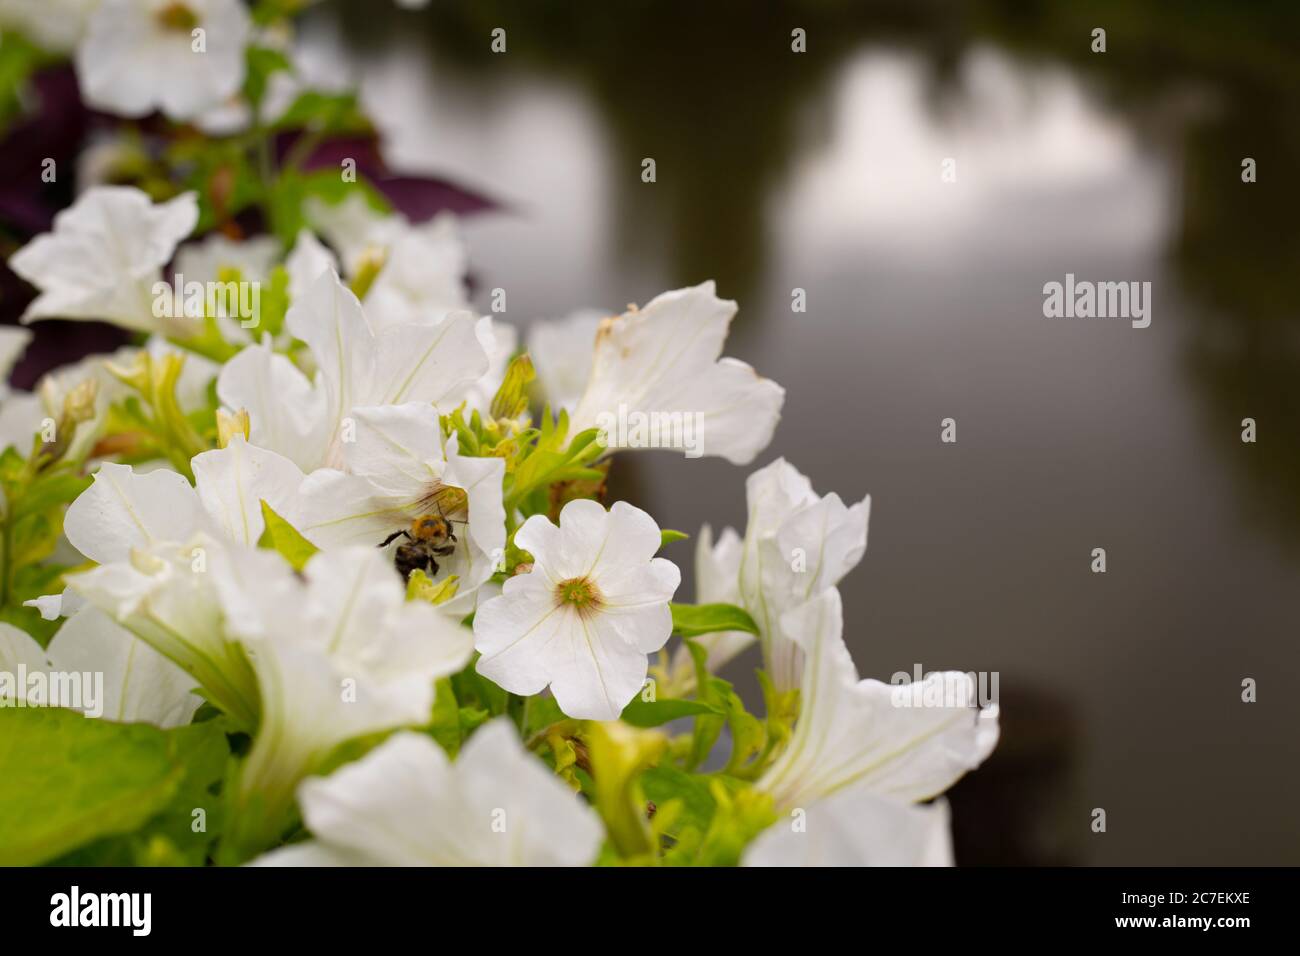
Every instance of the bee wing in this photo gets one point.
(450, 502)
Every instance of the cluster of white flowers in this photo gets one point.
(329, 519)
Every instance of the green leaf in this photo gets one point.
(542, 712)
(324, 114)
(67, 779)
(262, 62)
(707, 726)
(476, 691)
(748, 733)
(186, 828)
(667, 536)
(653, 713)
(692, 620)
(445, 728)
(50, 491)
(665, 783)
(282, 537)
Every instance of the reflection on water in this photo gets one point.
(821, 171)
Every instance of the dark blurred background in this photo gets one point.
(821, 170)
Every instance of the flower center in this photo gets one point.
(177, 16)
(581, 594)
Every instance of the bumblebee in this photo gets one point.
(429, 537)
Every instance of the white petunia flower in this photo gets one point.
(421, 266)
(306, 661)
(423, 275)
(104, 256)
(584, 618)
(338, 653)
(368, 429)
(124, 510)
(562, 352)
(398, 468)
(139, 684)
(406, 804)
(208, 260)
(154, 536)
(857, 828)
(163, 593)
(657, 381)
(858, 734)
(53, 25)
(204, 261)
(796, 544)
(183, 57)
(863, 754)
(357, 366)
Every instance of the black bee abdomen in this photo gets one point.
(409, 557)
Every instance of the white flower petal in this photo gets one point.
(359, 660)
(426, 363)
(515, 632)
(311, 853)
(796, 544)
(585, 533)
(232, 483)
(405, 804)
(593, 657)
(335, 509)
(287, 413)
(397, 447)
(13, 342)
(311, 703)
(663, 360)
(354, 227)
(21, 414)
(481, 480)
(168, 597)
(104, 255)
(854, 733)
(129, 63)
(124, 509)
(329, 318)
(857, 828)
(51, 607)
(562, 353)
(307, 261)
(423, 275)
(595, 669)
(140, 685)
(499, 341)
(18, 647)
(54, 25)
(204, 260)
